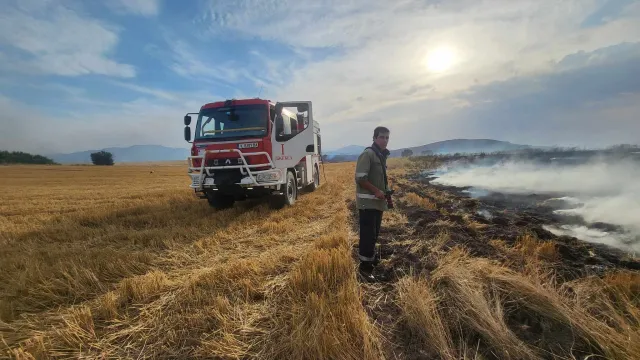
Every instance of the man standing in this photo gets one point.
(371, 188)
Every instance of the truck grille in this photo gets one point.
(226, 161)
(227, 176)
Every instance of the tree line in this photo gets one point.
(19, 157)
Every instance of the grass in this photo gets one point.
(124, 262)
(417, 200)
(510, 315)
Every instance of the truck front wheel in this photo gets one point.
(219, 201)
(289, 193)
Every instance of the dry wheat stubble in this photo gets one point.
(121, 261)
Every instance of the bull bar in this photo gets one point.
(245, 168)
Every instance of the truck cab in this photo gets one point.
(251, 148)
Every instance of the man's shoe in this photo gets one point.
(376, 258)
(366, 277)
(365, 271)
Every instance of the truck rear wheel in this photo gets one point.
(220, 201)
(289, 193)
(316, 180)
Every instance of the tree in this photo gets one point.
(102, 158)
(407, 152)
(427, 152)
(19, 157)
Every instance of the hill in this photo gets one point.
(347, 150)
(351, 152)
(146, 153)
(463, 146)
(135, 153)
(19, 157)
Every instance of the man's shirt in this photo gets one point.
(370, 167)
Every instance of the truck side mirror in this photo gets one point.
(187, 120)
(187, 134)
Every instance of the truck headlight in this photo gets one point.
(195, 179)
(268, 176)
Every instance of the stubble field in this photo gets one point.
(124, 262)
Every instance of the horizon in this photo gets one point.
(346, 146)
(77, 76)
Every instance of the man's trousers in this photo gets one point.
(370, 221)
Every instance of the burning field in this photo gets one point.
(474, 273)
(97, 263)
(596, 200)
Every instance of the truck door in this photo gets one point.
(293, 136)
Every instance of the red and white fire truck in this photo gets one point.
(249, 148)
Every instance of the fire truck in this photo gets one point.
(251, 148)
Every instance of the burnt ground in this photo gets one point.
(474, 224)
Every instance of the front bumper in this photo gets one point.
(202, 177)
(200, 181)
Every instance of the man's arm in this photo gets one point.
(369, 186)
(362, 173)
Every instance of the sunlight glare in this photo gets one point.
(440, 59)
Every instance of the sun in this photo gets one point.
(440, 59)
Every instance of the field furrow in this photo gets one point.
(101, 265)
(124, 262)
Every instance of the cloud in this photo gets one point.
(380, 69)
(139, 122)
(587, 106)
(48, 38)
(187, 64)
(136, 7)
(384, 45)
(321, 23)
(146, 90)
(25, 129)
(527, 71)
(216, 68)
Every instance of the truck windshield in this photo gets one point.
(232, 122)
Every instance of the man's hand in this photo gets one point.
(369, 186)
(379, 194)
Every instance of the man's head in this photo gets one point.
(381, 137)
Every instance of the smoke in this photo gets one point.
(602, 190)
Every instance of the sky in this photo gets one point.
(82, 75)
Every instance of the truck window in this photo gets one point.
(289, 125)
(232, 122)
(210, 124)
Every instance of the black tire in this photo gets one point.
(220, 201)
(316, 180)
(289, 193)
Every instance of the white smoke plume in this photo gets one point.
(599, 191)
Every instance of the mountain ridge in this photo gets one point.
(450, 146)
(133, 153)
(145, 153)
